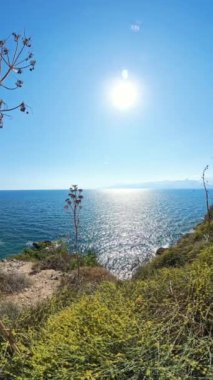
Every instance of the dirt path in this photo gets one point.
(43, 283)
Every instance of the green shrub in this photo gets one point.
(61, 261)
(64, 261)
(186, 250)
(206, 256)
(154, 329)
(41, 251)
(158, 327)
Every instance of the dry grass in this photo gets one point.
(13, 283)
(59, 261)
(88, 275)
(9, 310)
(65, 262)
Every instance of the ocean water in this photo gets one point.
(123, 226)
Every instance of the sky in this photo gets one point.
(74, 133)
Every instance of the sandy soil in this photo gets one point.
(43, 283)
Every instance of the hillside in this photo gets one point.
(156, 326)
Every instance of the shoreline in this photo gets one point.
(164, 309)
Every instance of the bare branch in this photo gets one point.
(11, 109)
(6, 75)
(9, 88)
(12, 62)
(15, 51)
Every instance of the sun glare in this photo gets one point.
(124, 93)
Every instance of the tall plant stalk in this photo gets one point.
(15, 58)
(208, 208)
(206, 192)
(73, 205)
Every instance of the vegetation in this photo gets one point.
(41, 251)
(208, 215)
(15, 57)
(55, 255)
(74, 206)
(12, 284)
(65, 262)
(185, 251)
(156, 326)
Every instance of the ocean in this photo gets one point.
(123, 226)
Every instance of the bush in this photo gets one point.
(158, 327)
(35, 317)
(187, 249)
(41, 251)
(88, 276)
(9, 310)
(63, 261)
(59, 261)
(154, 329)
(13, 283)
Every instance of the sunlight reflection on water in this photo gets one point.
(123, 226)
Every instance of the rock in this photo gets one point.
(160, 251)
(41, 244)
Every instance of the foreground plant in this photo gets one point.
(158, 327)
(15, 58)
(74, 206)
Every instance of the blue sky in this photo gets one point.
(74, 134)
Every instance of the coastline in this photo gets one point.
(165, 308)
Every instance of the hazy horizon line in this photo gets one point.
(179, 184)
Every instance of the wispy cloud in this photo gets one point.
(135, 27)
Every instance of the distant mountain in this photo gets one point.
(178, 184)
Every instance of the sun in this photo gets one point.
(124, 93)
